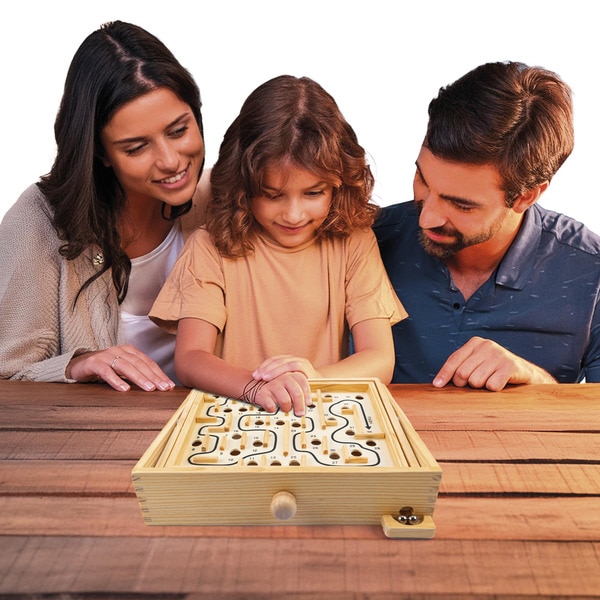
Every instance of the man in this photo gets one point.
(499, 290)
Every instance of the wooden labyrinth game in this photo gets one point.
(354, 458)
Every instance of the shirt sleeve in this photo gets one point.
(30, 346)
(591, 364)
(369, 293)
(195, 287)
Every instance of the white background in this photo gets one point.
(383, 61)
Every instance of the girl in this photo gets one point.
(87, 248)
(265, 296)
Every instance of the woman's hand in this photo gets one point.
(117, 364)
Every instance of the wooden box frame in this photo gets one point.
(399, 495)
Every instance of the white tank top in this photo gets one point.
(148, 274)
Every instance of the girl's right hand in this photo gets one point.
(289, 391)
(117, 365)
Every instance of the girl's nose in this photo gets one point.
(293, 211)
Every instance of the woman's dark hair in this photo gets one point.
(507, 114)
(113, 66)
(287, 119)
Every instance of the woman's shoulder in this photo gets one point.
(29, 215)
(27, 236)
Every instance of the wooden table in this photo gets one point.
(518, 515)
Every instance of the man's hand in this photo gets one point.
(484, 363)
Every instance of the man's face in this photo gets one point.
(459, 204)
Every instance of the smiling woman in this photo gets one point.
(154, 147)
(101, 231)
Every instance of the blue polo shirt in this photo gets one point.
(541, 303)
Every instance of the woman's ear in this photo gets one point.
(104, 160)
(530, 197)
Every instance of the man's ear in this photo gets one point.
(530, 197)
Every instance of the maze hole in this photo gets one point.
(350, 432)
(294, 463)
(371, 443)
(235, 452)
(356, 453)
(275, 463)
(315, 442)
(257, 443)
(252, 463)
(236, 436)
(334, 456)
(196, 443)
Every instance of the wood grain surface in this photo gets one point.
(518, 514)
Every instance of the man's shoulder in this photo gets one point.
(568, 231)
(396, 212)
(394, 219)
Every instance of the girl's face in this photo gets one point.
(293, 205)
(155, 148)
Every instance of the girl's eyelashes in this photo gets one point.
(278, 195)
(270, 195)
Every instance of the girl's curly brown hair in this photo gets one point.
(295, 120)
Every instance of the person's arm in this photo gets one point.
(591, 359)
(198, 367)
(484, 363)
(44, 337)
(373, 357)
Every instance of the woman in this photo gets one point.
(86, 249)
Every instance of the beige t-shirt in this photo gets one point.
(275, 300)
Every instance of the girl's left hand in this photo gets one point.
(274, 366)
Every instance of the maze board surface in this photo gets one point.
(353, 458)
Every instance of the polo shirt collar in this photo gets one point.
(517, 265)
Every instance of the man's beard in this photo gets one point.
(443, 251)
(460, 242)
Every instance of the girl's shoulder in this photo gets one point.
(359, 238)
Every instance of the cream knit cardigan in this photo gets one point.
(40, 328)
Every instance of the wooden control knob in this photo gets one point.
(283, 506)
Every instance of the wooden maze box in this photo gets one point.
(354, 458)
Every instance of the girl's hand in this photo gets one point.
(117, 364)
(275, 366)
(289, 391)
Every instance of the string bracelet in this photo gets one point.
(251, 390)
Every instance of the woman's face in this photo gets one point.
(155, 148)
